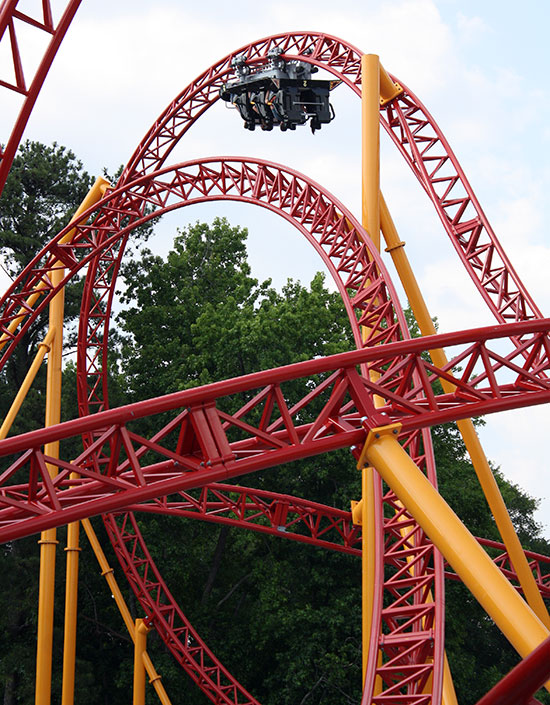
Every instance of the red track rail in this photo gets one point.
(213, 445)
(302, 520)
(410, 126)
(166, 616)
(327, 225)
(428, 154)
(161, 190)
(441, 177)
(42, 20)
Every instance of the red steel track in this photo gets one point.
(275, 426)
(11, 18)
(119, 467)
(303, 521)
(348, 256)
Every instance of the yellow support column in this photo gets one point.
(370, 112)
(497, 596)
(471, 440)
(140, 649)
(48, 540)
(43, 348)
(71, 603)
(370, 141)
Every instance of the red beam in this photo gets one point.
(205, 454)
(382, 354)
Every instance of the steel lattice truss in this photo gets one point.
(14, 80)
(211, 437)
(301, 520)
(121, 466)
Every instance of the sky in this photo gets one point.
(479, 67)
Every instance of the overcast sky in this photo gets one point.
(479, 67)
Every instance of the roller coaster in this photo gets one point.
(379, 400)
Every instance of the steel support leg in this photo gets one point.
(471, 440)
(497, 596)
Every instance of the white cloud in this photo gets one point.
(471, 28)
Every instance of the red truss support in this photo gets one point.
(116, 469)
(266, 512)
(15, 81)
(165, 615)
(244, 507)
(304, 521)
(338, 239)
(212, 445)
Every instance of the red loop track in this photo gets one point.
(408, 620)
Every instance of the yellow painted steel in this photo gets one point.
(367, 559)
(465, 426)
(108, 573)
(43, 348)
(498, 597)
(370, 112)
(140, 647)
(370, 143)
(48, 541)
(71, 600)
(388, 88)
(448, 696)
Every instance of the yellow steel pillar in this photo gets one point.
(465, 426)
(43, 348)
(71, 602)
(370, 112)
(140, 648)
(48, 538)
(497, 596)
(370, 141)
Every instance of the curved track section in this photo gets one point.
(416, 135)
(428, 154)
(304, 521)
(11, 19)
(165, 615)
(340, 242)
(412, 129)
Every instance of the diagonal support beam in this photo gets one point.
(496, 595)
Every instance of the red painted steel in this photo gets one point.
(265, 512)
(165, 615)
(347, 256)
(409, 125)
(41, 19)
(345, 60)
(523, 681)
(214, 445)
(302, 520)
